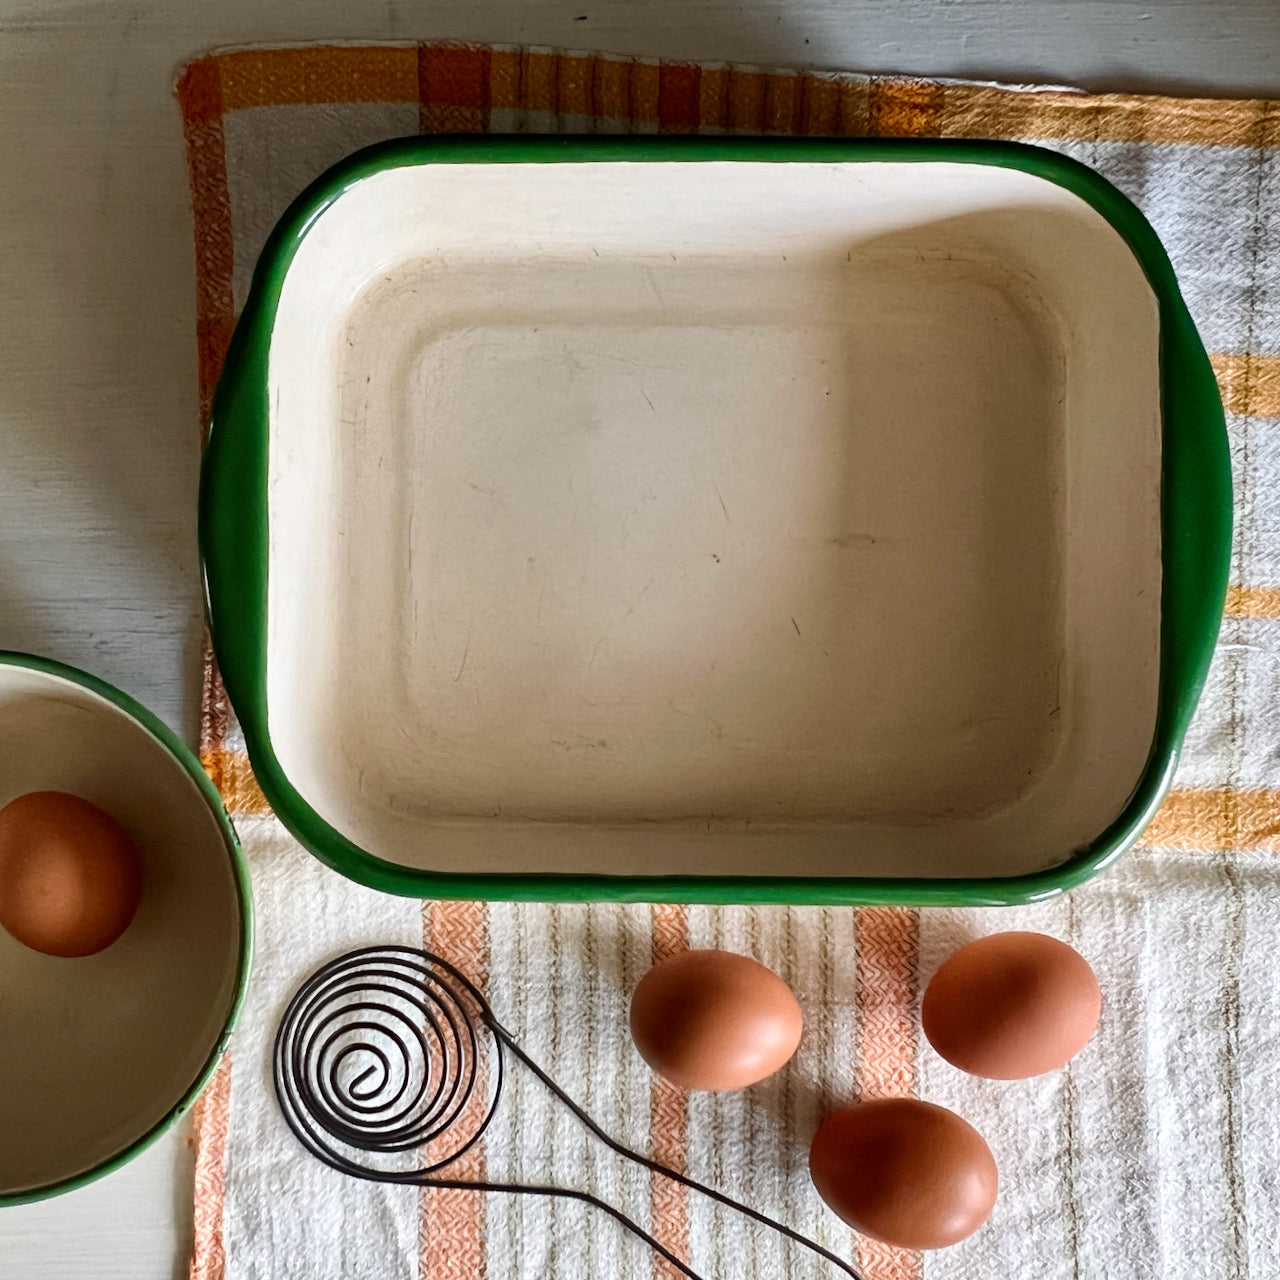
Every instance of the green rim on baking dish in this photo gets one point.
(1195, 519)
(185, 757)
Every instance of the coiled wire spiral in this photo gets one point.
(379, 1055)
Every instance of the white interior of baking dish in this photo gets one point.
(98, 1050)
(714, 518)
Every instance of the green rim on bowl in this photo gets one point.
(1195, 519)
(240, 872)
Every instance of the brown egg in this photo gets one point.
(69, 877)
(714, 1020)
(906, 1172)
(1012, 1005)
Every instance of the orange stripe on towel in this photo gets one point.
(1252, 602)
(679, 97)
(233, 776)
(451, 1223)
(669, 1118)
(319, 74)
(888, 958)
(902, 108)
(453, 89)
(209, 1125)
(984, 111)
(200, 95)
(1217, 819)
(1250, 383)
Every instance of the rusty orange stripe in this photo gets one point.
(669, 1118)
(504, 79)
(888, 960)
(453, 89)
(853, 118)
(1205, 819)
(899, 108)
(1250, 384)
(538, 81)
(209, 1125)
(981, 111)
(783, 99)
(887, 939)
(1252, 602)
(317, 74)
(713, 98)
(232, 774)
(385, 73)
(819, 106)
(611, 89)
(202, 101)
(679, 97)
(575, 86)
(830, 105)
(642, 97)
(451, 1223)
(745, 100)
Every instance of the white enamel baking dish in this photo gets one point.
(715, 519)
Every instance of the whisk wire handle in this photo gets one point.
(614, 1145)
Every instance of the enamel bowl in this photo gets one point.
(100, 1054)
(715, 519)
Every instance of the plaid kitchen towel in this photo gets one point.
(1153, 1154)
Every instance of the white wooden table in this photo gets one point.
(98, 432)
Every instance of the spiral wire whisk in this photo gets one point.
(391, 1050)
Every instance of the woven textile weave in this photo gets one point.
(1153, 1154)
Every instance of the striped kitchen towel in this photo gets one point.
(1153, 1154)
